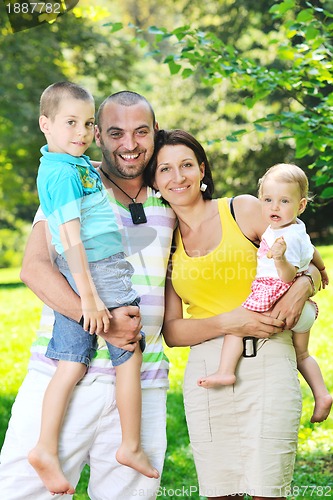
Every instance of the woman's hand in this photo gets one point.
(289, 307)
(243, 323)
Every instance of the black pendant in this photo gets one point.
(137, 213)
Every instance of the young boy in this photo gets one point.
(90, 255)
(285, 251)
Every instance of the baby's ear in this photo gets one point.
(302, 206)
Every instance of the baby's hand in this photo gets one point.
(278, 249)
(324, 277)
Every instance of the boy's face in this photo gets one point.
(72, 129)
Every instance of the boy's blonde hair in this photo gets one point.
(53, 94)
(287, 172)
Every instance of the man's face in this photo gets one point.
(126, 138)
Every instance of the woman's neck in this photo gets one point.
(200, 228)
(192, 217)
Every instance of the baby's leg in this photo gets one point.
(128, 395)
(310, 370)
(231, 352)
(44, 457)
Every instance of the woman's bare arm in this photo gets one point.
(186, 332)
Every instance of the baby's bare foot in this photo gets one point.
(48, 468)
(138, 460)
(216, 380)
(322, 408)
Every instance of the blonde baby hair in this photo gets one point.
(287, 172)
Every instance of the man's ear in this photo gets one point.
(44, 124)
(156, 128)
(302, 206)
(97, 136)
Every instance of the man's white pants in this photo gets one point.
(90, 435)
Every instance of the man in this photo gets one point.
(91, 431)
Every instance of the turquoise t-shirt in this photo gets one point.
(69, 187)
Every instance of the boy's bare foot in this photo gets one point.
(138, 460)
(322, 408)
(216, 380)
(48, 468)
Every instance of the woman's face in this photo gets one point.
(178, 174)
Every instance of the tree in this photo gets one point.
(296, 73)
(76, 48)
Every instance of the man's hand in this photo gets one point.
(125, 327)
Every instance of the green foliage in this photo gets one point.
(296, 72)
(75, 47)
(314, 459)
(12, 244)
(223, 57)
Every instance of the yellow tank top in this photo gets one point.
(221, 280)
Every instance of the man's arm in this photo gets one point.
(41, 275)
(44, 279)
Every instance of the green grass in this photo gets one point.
(314, 466)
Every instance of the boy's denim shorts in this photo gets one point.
(112, 279)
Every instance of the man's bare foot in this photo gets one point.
(138, 460)
(322, 408)
(217, 379)
(48, 468)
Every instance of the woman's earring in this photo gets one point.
(203, 187)
(158, 194)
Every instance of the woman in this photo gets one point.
(243, 436)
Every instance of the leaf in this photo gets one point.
(302, 146)
(323, 179)
(174, 67)
(282, 7)
(327, 193)
(311, 33)
(116, 27)
(304, 16)
(181, 32)
(232, 138)
(154, 30)
(187, 72)
(260, 128)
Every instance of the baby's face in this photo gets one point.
(281, 203)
